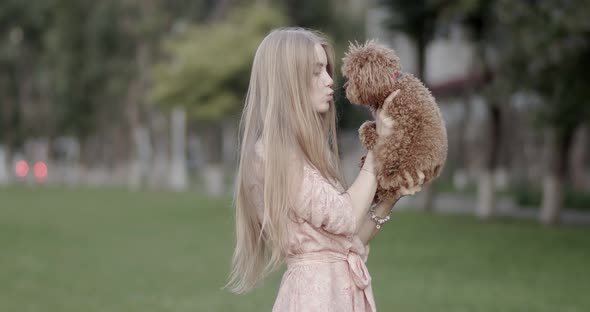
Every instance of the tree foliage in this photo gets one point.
(206, 69)
(545, 50)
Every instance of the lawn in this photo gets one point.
(112, 250)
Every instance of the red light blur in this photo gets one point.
(22, 169)
(40, 169)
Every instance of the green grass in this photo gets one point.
(524, 195)
(112, 250)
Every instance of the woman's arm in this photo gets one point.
(367, 229)
(363, 190)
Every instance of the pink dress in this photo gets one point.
(326, 268)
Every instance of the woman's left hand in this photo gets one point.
(383, 121)
(414, 186)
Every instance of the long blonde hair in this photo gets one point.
(278, 112)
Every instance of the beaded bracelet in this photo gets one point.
(379, 221)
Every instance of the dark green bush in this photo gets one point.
(532, 197)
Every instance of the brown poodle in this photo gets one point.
(419, 139)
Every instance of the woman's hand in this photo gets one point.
(413, 186)
(383, 121)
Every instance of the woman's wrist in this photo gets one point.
(383, 210)
(369, 163)
(379, 221)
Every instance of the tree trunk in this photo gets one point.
(486, 191)
(139, 147)
(8, 126)
(459, 171)
(134, 166)
(558, 147)
(178, 174)
(486, 199)
(579, 167)
(213, 173)
(230, 143)
(421, 46)
(552, 198)
(4, 176)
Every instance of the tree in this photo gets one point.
(418, 20)
(206, 69)
(207, 66)
(24, 107)
(79, 68)
(478, 18)
(90, 53)
(546, 53)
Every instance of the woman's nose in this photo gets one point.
(330, 83)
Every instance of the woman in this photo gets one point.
(291, 200)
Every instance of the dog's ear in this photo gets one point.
(350, 61)
(370, 69)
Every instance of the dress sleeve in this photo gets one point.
(323, 206)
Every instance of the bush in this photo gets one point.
(532, 197)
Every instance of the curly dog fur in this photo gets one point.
(419, 139)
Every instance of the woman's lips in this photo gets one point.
(330, 96)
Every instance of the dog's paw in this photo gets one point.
(368, 134)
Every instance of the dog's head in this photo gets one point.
(371, 70)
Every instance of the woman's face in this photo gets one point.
(322, 95)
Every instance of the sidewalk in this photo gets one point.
(505, 207)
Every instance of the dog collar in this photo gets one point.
(398, 75)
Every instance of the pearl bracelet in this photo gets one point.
(379, 221)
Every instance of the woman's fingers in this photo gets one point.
(409, 179)
(388, 122)
(413, 186)
(410, 191)
(385, 108)
(420, 177)
(390, 97)
(386, 103)
(385, 122)
(404, 191)
(399, 179)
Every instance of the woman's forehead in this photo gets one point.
(321, 54)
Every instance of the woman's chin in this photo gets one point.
(324, 108)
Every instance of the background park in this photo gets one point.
(118, 136)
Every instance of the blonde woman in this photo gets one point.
(292, 204)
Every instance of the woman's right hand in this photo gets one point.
(383, 121)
